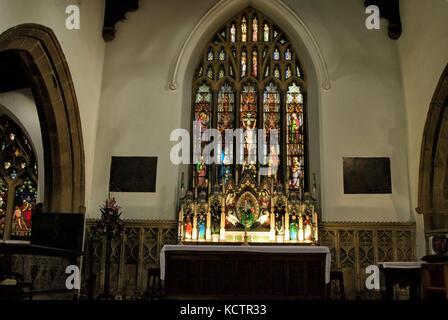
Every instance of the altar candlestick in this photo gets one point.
(194, 235)
(180, 232)
(301, 227)
(286, 224)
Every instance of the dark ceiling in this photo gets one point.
(116, 11)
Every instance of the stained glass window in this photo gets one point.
(243, 64)
(266, 33)
(254, 63)
(210, 55)
(295, 141)
(288, 73)
(276, 54)
(256, 56)
(271, 108)
(248, 121)
(25, 199)
(18, 181)
(243, 30)
(226, 106)
(210, 73)
(255, 30)
(277, 72)
(202, 110)
(222, 55)
(232, 33)
(288, 54)
(221, 73)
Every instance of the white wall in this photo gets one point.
(361, 115)
(83, 49)
(423, 49)
(20, 106)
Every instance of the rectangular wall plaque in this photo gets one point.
(367, 175)
(133, 174)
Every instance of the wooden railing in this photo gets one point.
(353, 247)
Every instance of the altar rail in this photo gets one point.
(353, 246)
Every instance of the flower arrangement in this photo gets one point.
(248, 218)
(110, 227)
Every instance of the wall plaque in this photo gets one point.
(367, 175)
(133, 174)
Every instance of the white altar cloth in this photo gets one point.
(273, 249)
(401, 264)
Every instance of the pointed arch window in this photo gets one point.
(18, 181)
(249, 77)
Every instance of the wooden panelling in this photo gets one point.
(353, 247)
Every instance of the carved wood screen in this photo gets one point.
(353, 246)
(249, 76)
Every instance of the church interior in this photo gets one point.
(221, 149)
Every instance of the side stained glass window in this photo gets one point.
(18, 181)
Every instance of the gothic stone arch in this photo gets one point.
(49, 77)
(433, 180)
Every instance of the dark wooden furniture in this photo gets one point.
(20, 291)
(338, 277)
(154, 284)
(411, 276)
(435, 280)
(244, 275)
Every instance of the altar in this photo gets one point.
(245, 272)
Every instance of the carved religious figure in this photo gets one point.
(293, 226)
(215, 211)
(279, 211)
(201, 224)
(231, 219)
(307, 228)
(249, 166)
(188, 224)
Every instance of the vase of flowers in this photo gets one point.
(109, 228)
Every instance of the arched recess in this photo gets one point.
(312, 59)
(49, 77)
(433, 179)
